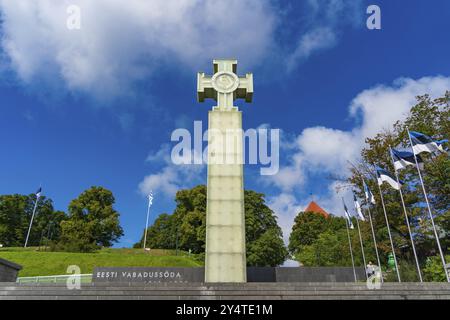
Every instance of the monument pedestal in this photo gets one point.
(225, 218)
(225, 259)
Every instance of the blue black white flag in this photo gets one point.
(369, 195)
(402, 159)
(347, 216)
(423, 143)
(150, 198)
(358, 208)
(384, 176)
(38, 193)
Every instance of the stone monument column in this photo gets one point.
(225, 259)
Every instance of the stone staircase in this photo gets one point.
(247, 291)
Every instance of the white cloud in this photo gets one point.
(289, 176)
(326, 19)
(170, 178)
(162, 155)
(286, 207)
(327, 150)
(120, 44)
(317, 39)
(165, 181)
(374, 110)
(382, 105)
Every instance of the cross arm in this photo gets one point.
(245, 89)
(205, 88)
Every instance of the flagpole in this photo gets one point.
(429, 209)
(31, 222)
(362, 246)
(406, 217)
(389, 231)
(374, 239)
(146, 223)
(351, 250)
(48, 233)
(371, 225)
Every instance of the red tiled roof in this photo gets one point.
(314, 207)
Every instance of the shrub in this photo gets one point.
(433, 270)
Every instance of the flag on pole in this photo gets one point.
(38, 193)
(402, 159)
(358, 208)
(369, 195)
(440, 144)
(370, 198)
(347, 216)
(384, 176)
(150, 198)
(423, 143)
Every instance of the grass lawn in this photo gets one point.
(41, 263)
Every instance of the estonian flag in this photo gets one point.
(347, 216)
(423, 143)
(38, 193)
(358, 208)
(150, 198)
(384, 176)
(402, 159)
(369, 195)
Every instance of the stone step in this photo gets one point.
(237, 298)
(238, 285)
(249, 291)
(205, 293)
(264, 286)
(168, 289)
(209, 293)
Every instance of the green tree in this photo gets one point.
(188, 223)
(329, 249)
(160, 234)
(15, 216)
(189, 219)
(92, 222)
(316, 240)
(433, 270)
(306, 229)
(267, 250)
(264, 238)
(431, 117)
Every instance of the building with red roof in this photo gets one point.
(314, 207)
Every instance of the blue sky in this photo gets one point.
(89, 107)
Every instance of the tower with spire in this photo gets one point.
(314, 207)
